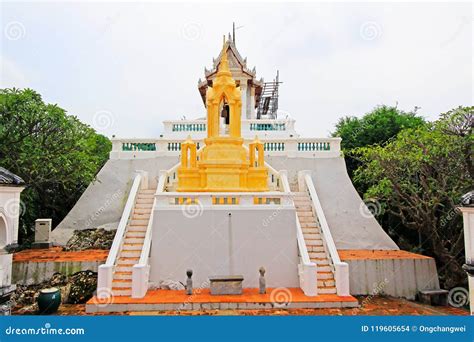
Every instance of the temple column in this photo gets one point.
(251, 114)
(243, 91)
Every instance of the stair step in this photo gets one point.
(142, 211)
(305, 213)
(317, 255)
(327, 290)
(303, 207)
(326, 268)
(144, 195)
(309, 224)
(311, 236)
(141, 217)
(144, 201)
(326, 283)
(123, 275)
(325, 275)
(130, 253)
(146, 206)
(307, 219)
(147, 191)
(316, 249)
(313, 242)
(132, 247)
(121, 283)
(120, 268)
(136, 229)
(139, 223)
(135, 234)
(311, 230)
(133, 240)
(122, 291)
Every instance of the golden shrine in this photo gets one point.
(224, 164)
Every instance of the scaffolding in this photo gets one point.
(268, 104)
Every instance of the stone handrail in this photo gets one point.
(106, 270)
(341, 269)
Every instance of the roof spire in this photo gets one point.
(224, 62)
(233, 32)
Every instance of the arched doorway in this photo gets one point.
(3, 231)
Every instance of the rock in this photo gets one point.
(82, 287)
(90, 239)
(171, 285)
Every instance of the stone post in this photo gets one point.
(42, 233)
(261, 282)
(189, 282)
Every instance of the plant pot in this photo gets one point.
(49, 300)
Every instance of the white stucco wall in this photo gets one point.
(10, 210)
(214, 243)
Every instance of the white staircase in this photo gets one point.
(132, 245)
(314, 243)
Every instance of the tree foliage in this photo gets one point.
(419, 177)
(375, 127)
(55, 153)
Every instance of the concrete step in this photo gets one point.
(130, 253)
(303, 207)
(120, 268)
(135, 234)
(326, 283)
(141, 217)
(317, 255)
(121, 283)
(136, 229)
(132, 246)
(127, 261)
(313, 242)
(144, 195)
(312, 230)
(147, 191)
(144, 201)
(325, 275)
(309, 224)
(138, 222)
(326, 268)
(311, 236)
(319, 249)
(321, 262)
(300, 193)
(133, 240)
(123, 275)
(122, 291)
(142, 211)
(304, 213)
(307, 219)
(146, 206)
(327, 290)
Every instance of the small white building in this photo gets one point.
(10, 210)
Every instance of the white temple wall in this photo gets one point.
(210, 242)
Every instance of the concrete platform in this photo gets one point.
(169, 300)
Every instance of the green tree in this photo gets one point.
(375, 127)
(55, 153)
(418, 177)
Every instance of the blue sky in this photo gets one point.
(140, 63)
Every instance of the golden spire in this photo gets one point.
(224, 63)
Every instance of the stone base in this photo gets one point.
(226, 285)
(41, 245)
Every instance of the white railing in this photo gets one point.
(291, 147)
(341, 269)
(106, 271)
(307, 270)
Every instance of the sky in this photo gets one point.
(123, 68)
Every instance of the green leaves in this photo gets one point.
(55, 153)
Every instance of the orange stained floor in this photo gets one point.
(295, 295)
(367, 254)
(57, 254)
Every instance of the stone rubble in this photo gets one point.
(90, 239)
